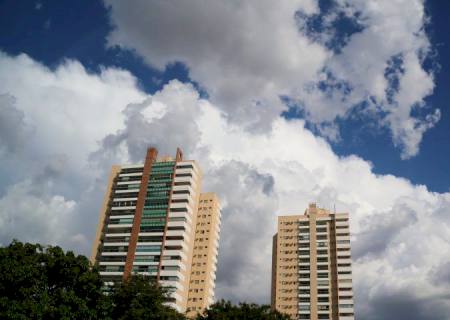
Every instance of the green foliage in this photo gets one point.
(39, 282)
(225, 310)
(139, 298)
(46, 283)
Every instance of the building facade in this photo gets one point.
(311, 266)
(149, 225)
(204, 258)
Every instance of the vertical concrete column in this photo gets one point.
(273, 291)
(313, 260)
(149, 160)
(334, 294)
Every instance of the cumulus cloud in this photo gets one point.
(383, 66)
(50, 121)
(249, 211)
(256, 175)
(159, 116)
(244, 54)
(248, 55)
(13, 129)
(29, 214)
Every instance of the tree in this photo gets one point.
(39, 282)
(225, 310)
(140, 298)
(46, 283)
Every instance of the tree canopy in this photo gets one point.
(38, 282)
(139, 298)
(46, 283)
(225, 310)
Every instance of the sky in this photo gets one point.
(339, 102)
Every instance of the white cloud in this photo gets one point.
(257, 176)
(13, 129)
(48, 115)
(246, 55)
(392, 29)
(34, 219)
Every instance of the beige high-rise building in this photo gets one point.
(153, 221)
(311, 266)
(204, 259)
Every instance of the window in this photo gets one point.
(185, 166)
(304, 275)
(344, 272)
(180, 200)
(148, 248)
(322, 283)
(184, 183)
(303, 291)
(303, 252)
(345, 280)
(180, 175)
(303, 299)
(303, 267)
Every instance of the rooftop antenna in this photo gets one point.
(334, 205)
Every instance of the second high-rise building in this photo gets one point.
(311, 266)
(155, 222)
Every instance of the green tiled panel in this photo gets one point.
(134, 186)
(163, 164)
(157, 212)
(156, 206)
(148, 248)
(151, 223)
(158, 180)
(157, 189)
(162, 170)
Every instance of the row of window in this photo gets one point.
(123, 203)
(127, 186)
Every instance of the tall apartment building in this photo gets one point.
(153, 222)
(311, 266)
(204, 259)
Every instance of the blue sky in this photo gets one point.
(50, 32)
(340, 102)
